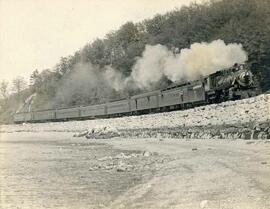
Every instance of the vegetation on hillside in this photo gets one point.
(234, 21)
(12, 98)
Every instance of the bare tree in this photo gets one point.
(19, 84)
(4, 89)
(4, 92)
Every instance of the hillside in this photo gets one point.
(13, 104)
(101, 70)
(79, 79)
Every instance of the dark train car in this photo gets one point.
(45, 115)
(93, 111)
(18, 117)
(145, 101)
(171, 97)
(68, 113)
(22, 117)
(194, 93)
(118, 107)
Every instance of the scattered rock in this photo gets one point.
(105, 158)
(194, 149)
(122, 156)
(103, 132)
(263, 163)
(250, 142)
(121, 169)
(81, 134)
(203, 204)
(92, 169)
(146, 154)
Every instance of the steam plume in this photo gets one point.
(85, 83)
(150, 68)
(200, 59)
(114, 78)
(91, 83)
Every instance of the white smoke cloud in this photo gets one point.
(205, 58)
(149, 68)
(200, 59)
(82, 85)
(86, 82)
(114, 78)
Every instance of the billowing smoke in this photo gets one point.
(85, 84)
(114, 78)
(150, 68)
(89, 84)
(200, 59)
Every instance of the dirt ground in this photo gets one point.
(55, 170)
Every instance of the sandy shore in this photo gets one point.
(55, 170)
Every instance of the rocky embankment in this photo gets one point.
(246, 119)
(241, 131)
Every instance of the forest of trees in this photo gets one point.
(12, 96)
(234, 21)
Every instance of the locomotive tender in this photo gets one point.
(228, 84)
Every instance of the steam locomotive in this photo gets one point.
(229, 84)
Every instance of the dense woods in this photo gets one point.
(77, 79)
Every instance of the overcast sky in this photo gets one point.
(34, 34)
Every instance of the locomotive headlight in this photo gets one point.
(245, 78)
